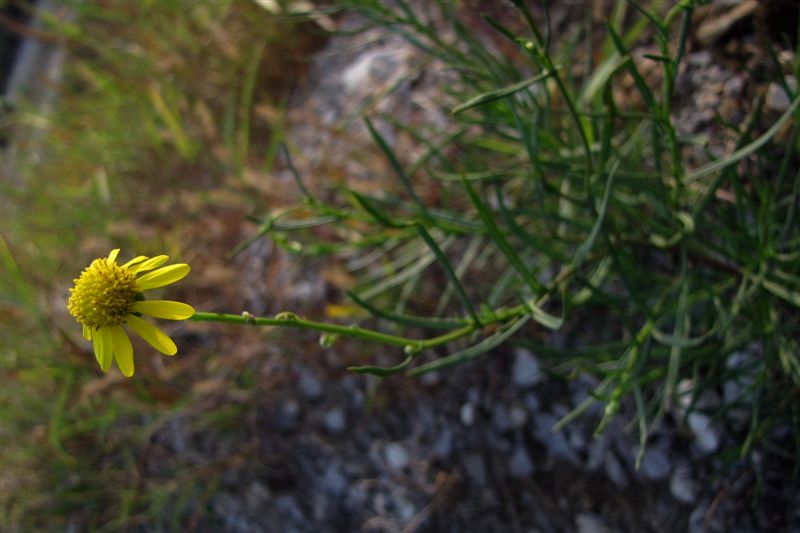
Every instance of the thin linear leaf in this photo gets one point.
(449, 272)
(474, 252)
(497, 94)
(379, 215)
(642, 420)
(745, 150)
(382, 371)
(540, 245)
(408, 320)
(793, 297)
(600, 77)
(396, 167)
(500, 240)
(677, 341)
(592, 352)
(641, 84)
(471, 353)
(287, 157)
(543, 317)
(581, 408)
(413, 269)
(682, 326)
(586, 245)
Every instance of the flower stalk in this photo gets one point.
(352, 331)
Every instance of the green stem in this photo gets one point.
(411, 346)
(292, 320)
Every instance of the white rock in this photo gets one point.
(310, 385)
(396, 455)
(706, 436)
(468, 414)
(777, 98)
(335, 420)
(738, 389)
(682, 486)
(655, 464)
(525, 371)
(518, 415)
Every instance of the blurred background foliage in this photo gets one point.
(161, 111)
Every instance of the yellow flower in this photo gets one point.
(107, 296)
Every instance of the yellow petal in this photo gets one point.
(162, 276)
(123, 350)
(150, 264)
(113, 255)
(135, 260)
(164, 309)
(103, 347)
(87, 333)
(154, 336)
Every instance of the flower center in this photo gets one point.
(103, 295)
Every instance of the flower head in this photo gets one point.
(107, 296)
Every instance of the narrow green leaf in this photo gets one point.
(378, 214)
(382, 371)
(586, 245)
(449, 272)
(746, 150)
(641, 84)
(641, 418)
(396, 166)
(682, 327)
(287, 157)
(543, 317)
(408, 320)
(793, 297)
(600, 77)
(538, 244)
(471, 353)
(500, 240)
(497, 94)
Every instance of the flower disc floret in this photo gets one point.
(104, 295)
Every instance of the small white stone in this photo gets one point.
(396, 455)
(468, 414)
(706, 436)
(525, 372)
(777, 98)
(519, 416)
(682, 486)
(655, 464)
(335, 420)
